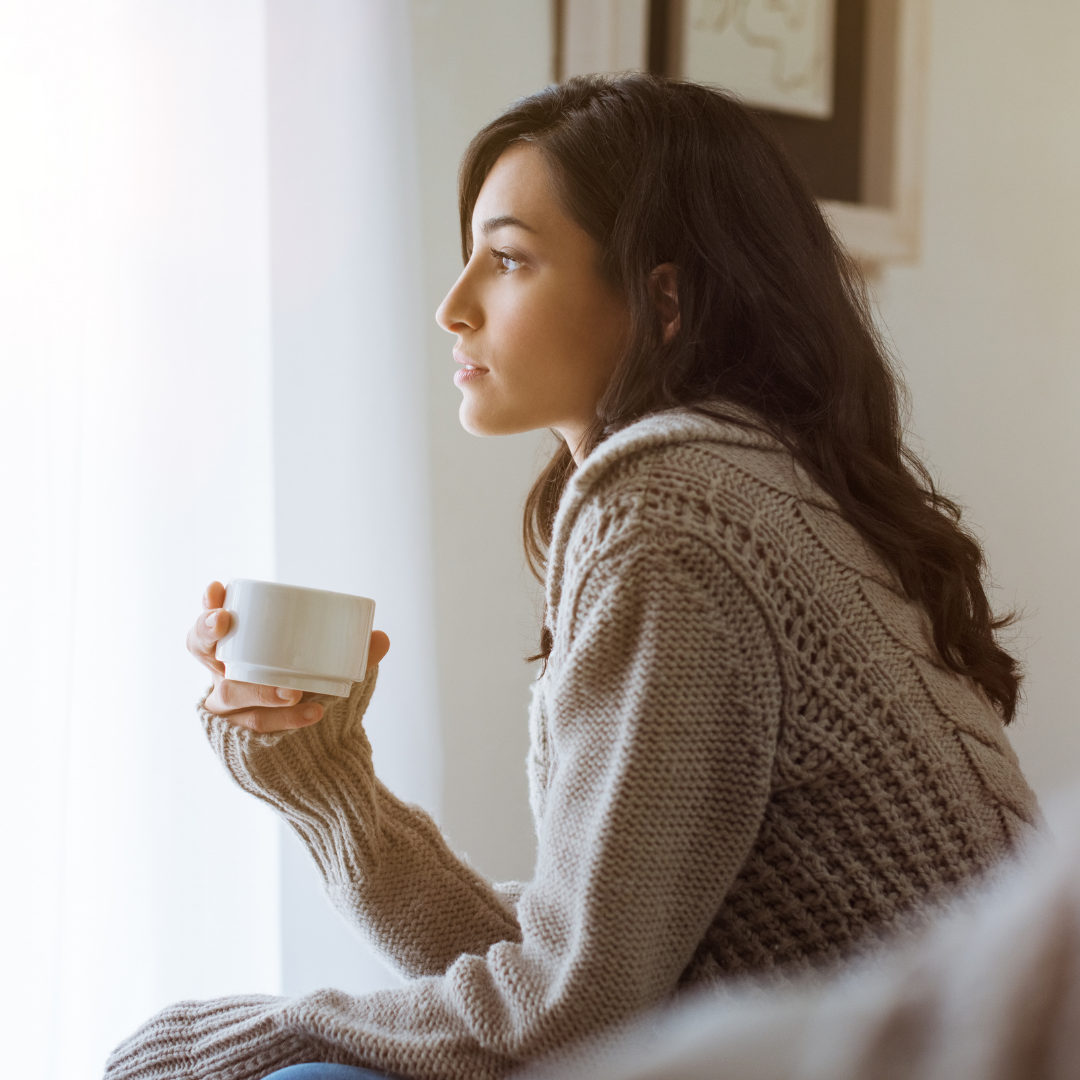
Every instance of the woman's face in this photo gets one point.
(538, 330)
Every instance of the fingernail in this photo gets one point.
(211, 619)
(285, 694)
(312, 712)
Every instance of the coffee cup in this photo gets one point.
(303, 639)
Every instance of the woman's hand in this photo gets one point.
(258, 708)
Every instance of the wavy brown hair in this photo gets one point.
(774, 316)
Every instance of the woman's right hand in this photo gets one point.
(258, 708)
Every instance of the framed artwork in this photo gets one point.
(841, 82)
(776, 54)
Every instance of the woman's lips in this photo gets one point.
(467, 372)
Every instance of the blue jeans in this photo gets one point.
(325, 1072)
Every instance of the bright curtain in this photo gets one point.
(136, 460)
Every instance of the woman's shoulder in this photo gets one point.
(717, 474)
(667, 463)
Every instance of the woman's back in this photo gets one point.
(879, 778)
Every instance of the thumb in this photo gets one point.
(379, 647)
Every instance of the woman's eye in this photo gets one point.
(507, 262)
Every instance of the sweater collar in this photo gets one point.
(679, 425)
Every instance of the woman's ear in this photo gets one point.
(664, 289)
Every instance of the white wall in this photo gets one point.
(471, 59)
(351, 455)
(988, 327)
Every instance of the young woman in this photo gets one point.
(768, 726)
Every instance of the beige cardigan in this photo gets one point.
(745, 756)
(990, 991)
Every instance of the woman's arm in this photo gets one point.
(376, 854)
(384, 863)
(662, 701)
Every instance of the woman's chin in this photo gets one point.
(478, 420)
(473, 419)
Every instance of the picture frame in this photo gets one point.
(881, 59)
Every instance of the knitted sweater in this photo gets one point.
(745, 755)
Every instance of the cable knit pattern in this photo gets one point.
(746, 755)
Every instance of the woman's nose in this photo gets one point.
(459, 310)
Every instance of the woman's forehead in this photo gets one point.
(517, 191)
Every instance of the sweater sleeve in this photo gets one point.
(385, 864)
(662, 703)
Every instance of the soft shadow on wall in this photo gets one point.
(351, 449)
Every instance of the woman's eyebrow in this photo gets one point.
(501, 221)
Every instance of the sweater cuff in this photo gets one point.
(239, 1037)
(258, 761)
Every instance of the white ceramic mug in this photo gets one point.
(305, 639)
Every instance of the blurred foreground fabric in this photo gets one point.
(991, 991)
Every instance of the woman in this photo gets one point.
(768, 728)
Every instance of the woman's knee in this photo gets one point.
(323, 1071)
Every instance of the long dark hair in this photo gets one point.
(773, 315)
